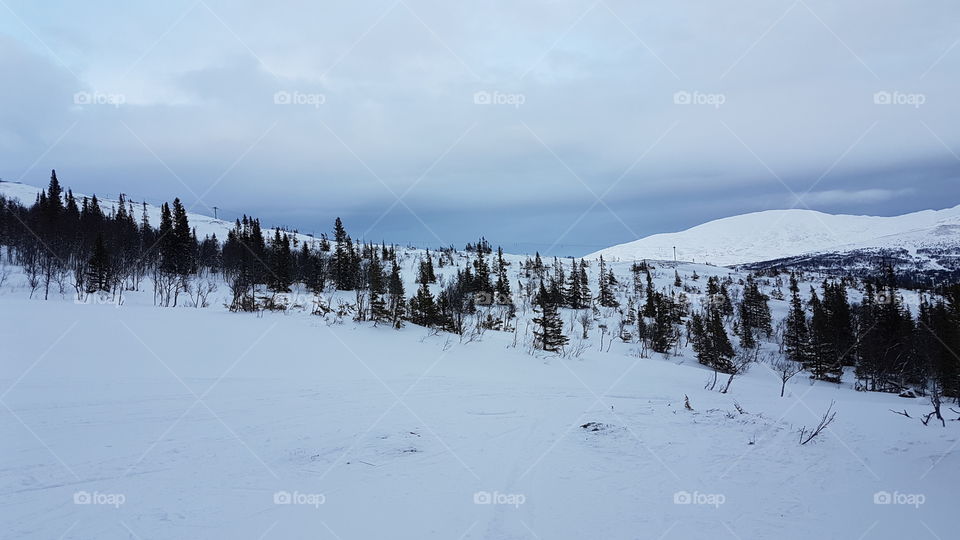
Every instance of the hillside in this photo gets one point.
(205, 225)
(778, 234)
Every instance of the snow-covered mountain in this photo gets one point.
(778, 234)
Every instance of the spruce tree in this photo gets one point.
(796, 335)
(573, 295)
(395, 288)
(99, 274)
(548, 334)
(375, 284)
(281, 262)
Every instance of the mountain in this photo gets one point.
(781, 234)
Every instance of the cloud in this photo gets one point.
(853, 198)
(387, 108)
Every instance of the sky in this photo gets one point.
(559, 126)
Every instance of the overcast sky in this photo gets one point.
(572, 124)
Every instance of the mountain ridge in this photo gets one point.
(776, 234)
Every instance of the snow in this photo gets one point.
(196, 423)
(774, 234)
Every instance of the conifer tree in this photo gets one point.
(607, 280)
(502, 287)
(281, 262)
(375, 284)
(754, 314)
(573, 294)
(823, 363)
(710, 340)
(548, 335)
(395, 288)
(796, 336)
(650, 306)
(99, 273)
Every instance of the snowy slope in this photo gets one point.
(775, 234)
(284, 426)
(205, 225)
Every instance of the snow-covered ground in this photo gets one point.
(153, 423)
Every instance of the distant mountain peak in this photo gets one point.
(775, 234)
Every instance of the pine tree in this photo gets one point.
(345, 262)
(637, 269)
(710, 340)
(754, 314)
(502, 287)
(281, 262)
(99, 274)
(395, 288)
(375, 284)
(607, 280)
(796, 335)
(573, 294)
(823, 363)
(662, 332)
(548, 336)
(650, 306)
(423, 308)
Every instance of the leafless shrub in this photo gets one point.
(785, 369)
(825, 420)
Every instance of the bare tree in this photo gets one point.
(740, 363)
(585, 321)
(825, 421)
(786, 369)
(936, 402)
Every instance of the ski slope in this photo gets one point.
(775, 234)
